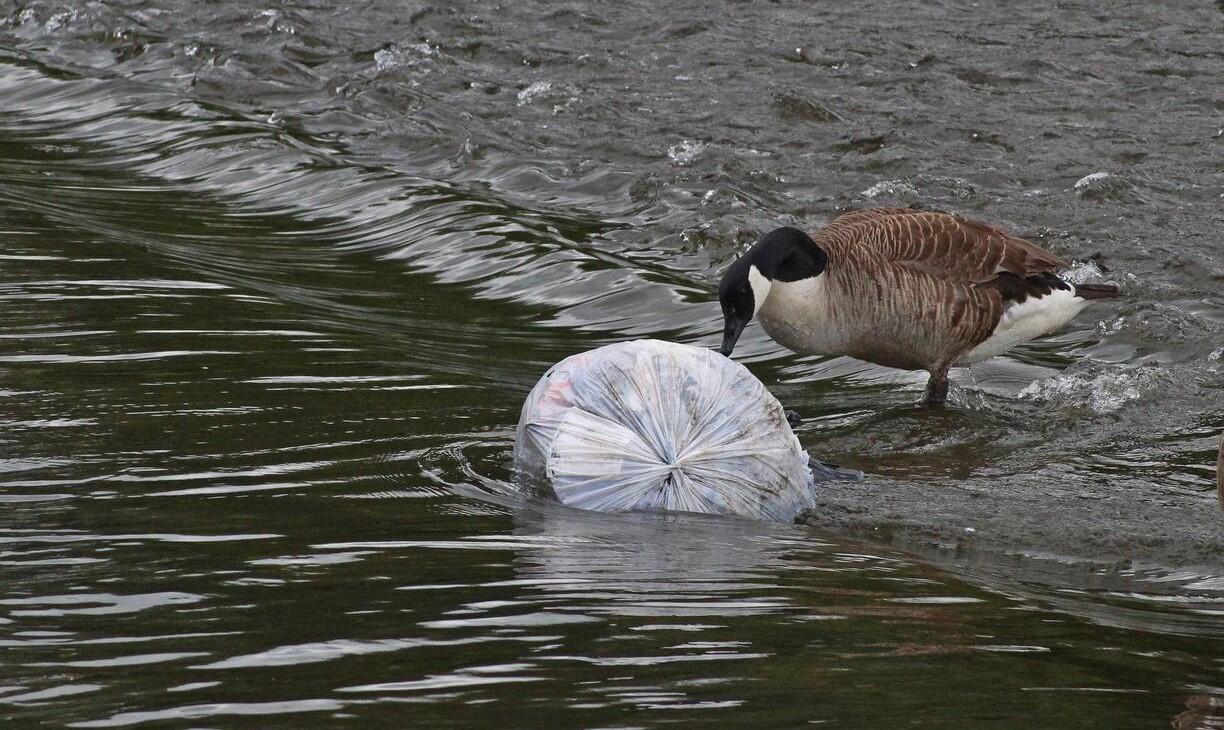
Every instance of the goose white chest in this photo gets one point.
(799, 315)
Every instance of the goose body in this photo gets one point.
(902, 288)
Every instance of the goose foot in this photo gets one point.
(822, 472)
(792, 417)
(937, 389)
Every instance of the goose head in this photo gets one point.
(784, 254)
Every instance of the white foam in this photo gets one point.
(1101, 392)
(1083, 272)
(889, 187)
(1090, 180)
(534, 91)
(685, 152)
(60, 20)
(407, 56)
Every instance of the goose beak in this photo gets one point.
(732, 329)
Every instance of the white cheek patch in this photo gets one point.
(760, 288)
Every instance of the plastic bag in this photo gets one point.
(652, 425)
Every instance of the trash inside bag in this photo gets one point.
(650, 425)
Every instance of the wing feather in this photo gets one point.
(943, 245)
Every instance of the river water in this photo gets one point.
(275, 278)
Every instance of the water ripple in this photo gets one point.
(279, 282)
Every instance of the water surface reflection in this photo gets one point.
(275, 285)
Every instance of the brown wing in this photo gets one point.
(945, 246)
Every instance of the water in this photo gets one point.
(275, 280)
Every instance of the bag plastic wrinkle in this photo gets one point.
(653, 425)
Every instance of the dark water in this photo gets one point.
(275, 278)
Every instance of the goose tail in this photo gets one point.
(1097, 291)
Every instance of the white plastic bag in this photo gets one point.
(652, 425)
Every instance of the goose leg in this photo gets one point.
(937, 387)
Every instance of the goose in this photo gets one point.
(909, 289)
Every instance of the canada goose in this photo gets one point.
(1220, 473)
(907, 289)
